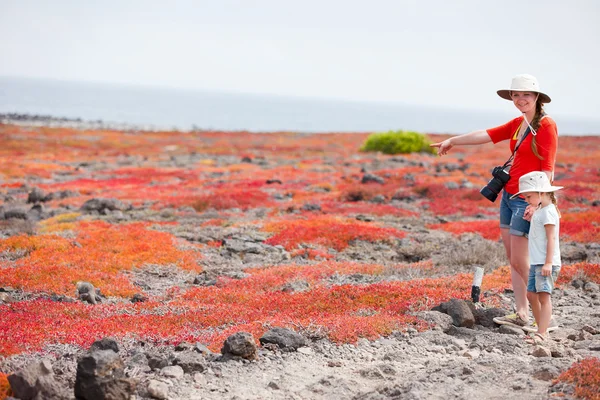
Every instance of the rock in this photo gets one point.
(240, 344)
(541, 351)
(273, 385)
(459, 310)
(204, 279)
(367, 178)
(37, 195)
(15, 213)
(6, 298)
(511, 330)
(591, 287)
(105, 344)
(594, 345)
(311, 207)
(485, 317)
(202, 349)
(36, 213)
(138, 359)
(471, 353)
(172, 371)
(158, 390)
(138, 298)
(590, 329)
(184, 346)
(577, 283)
(546, 373)
(157, 361)
(239, 245)
(101, 375)
(286, 339)
(296, 286)
(36, 381)
(190, 361)
(438, 319)
(305, 350)
(379, 199)
(87, 292)
(102, 205)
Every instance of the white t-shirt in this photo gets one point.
(537, 235)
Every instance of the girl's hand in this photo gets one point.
(547, 269)
(528, 212)
(443, 147)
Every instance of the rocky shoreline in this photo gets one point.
(65, 122)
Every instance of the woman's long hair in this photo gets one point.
(535, 124)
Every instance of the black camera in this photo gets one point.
(495, 185)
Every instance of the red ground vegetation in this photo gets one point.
(585, 376)
(99, 254)
(277, 172)
(326, 231)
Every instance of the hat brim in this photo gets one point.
(547, 190)
(505, 94)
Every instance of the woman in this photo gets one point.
(536, 153)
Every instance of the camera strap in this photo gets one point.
(512, 156)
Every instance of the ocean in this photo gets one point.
(162, 108)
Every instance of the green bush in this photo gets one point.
(398, 142)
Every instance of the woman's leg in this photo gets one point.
(519, 273)
(517, 252)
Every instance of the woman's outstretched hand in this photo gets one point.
(443, 147)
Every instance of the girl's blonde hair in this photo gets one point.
(553, 199)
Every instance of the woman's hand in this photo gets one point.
(529, 212)
(443, 147)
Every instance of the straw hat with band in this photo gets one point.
(524, 83)
(537, 182)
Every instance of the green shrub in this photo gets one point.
(398, 142)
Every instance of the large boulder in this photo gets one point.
(459, 310)
(36, 381)
(286, 339)
(101, 376)
(240, 344)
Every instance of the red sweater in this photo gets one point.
(525, 160)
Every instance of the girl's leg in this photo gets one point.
(519, 273)
(534, 301)
(545, 312)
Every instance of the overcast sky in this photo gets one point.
(438, 52)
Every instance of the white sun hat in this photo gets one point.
(524, 83)
(536, 181)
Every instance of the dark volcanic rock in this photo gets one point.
(101, 375)
(240, 344)
(286, 339)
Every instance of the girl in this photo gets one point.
(537, 152)
(544, 251)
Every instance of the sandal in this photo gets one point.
(511, 319)
(536, 338)
(534, 328)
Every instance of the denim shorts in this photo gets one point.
(538, 283)
(511, 215)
